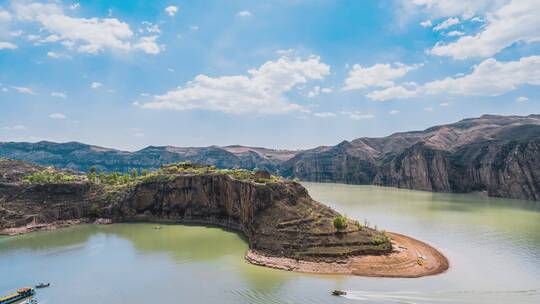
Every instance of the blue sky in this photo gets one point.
(279, 74)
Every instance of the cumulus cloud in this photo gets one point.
(96, 85)
(317, 90)
(4, 45)
(171, 10)
(446, 24)
(394, 112)
(86, 35)
(57, 116)
(243, 13)
(378, 75)
(261, 90)
(514, 22)
(489, 78)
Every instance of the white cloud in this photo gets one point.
(151, 28)
(74, 6)
(516, 21)
(96, 85)
(317, 90)
(23, 90)
(428, 109)
(445, 104)
(171, 10)
(261, 90)
(243, 13)
(59, 94)
(446, 24)
(86, 35)
(15, 128)
(357, 115)
(57, 116)
(378, 75)
(7, 45)
(17, 33)
(53, 54)
(5, 16)
(464, 8)
(395, 92)
(148, 45)
(324, 115)
(455, 34)
(490, 78)
(194, 28)
(522, 99)
(394, 112)
(426, 23)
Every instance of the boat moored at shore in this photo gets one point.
(21, 293)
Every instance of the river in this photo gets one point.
(493, 246)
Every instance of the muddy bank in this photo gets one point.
(410, 258)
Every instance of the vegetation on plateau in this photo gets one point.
(50, 175)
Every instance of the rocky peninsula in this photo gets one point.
(284, 227)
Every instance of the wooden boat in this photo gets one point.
(339, 292)
(22, 293)
(157, 227)
(43, 285)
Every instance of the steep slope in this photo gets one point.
(495, 154)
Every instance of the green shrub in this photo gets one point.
(340, 222)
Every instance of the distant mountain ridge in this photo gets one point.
(496, 154)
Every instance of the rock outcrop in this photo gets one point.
(278, 217)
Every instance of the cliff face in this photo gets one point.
(277, 218)
(495, 154)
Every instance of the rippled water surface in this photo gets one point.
(493, 246)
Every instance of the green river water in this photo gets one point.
(493, 246)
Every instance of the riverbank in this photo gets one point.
(35, 226)
(410, 258)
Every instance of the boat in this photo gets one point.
(22, 293)
(43, 285)
(157, 227)
(339, 292)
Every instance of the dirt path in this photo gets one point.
(411, 258)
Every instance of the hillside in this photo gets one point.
(496, 154)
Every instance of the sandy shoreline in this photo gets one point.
(411, 258)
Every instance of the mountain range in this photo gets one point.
(498, 155)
